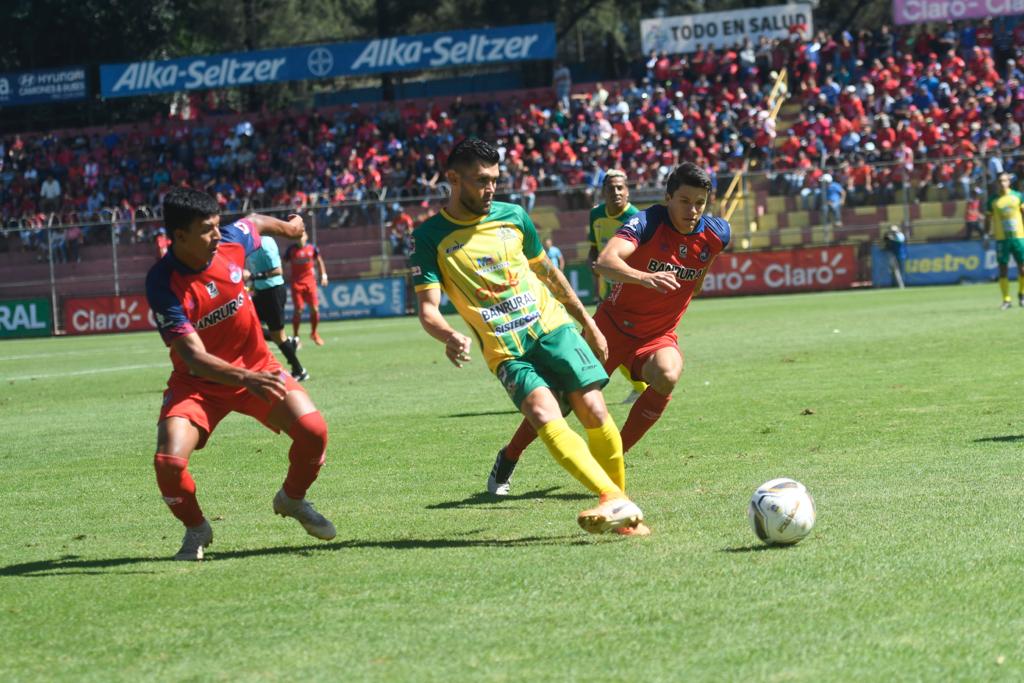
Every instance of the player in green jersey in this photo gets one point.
(605, 221)
(488, 258)
(1003, 220)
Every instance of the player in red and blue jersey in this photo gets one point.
(221, 362)
(668, 248)
(302, 257)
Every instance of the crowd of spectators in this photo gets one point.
(881, 111)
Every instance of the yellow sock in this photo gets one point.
(606, 445)
(570, 451)
(639, 386)
(1004, 287)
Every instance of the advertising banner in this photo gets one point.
(25, 318)
(778, 272)
(921, 11)
(684, 33)
(357, 299)
(46, 85)
(101, 314)
(942, 263)
(400, 53)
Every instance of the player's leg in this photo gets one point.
(298, 303)
(661, 369)
(1003, 261)
(1017, 250)
(177, 438)
(299, 418)
(314, 322)
(270, 309)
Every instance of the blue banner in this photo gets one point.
(401, 53)
(941, 263)
(379, 298)
(46, 85)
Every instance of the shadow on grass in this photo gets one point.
(75, 565)
(1009, 438)
(484, 413)
(754, 548)
(483, 498)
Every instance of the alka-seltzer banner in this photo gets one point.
(921, 11)
(723, 29)
(47, 85)
(402, 53)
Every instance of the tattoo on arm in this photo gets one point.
(560, 287)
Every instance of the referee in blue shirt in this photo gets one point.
(264, 266)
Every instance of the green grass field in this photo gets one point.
(900, 410)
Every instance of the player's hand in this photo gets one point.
(663, 282)
(269, 386)
(296, 219)
(246, 275)
(595, 339)
(323, 279)
(457, 349)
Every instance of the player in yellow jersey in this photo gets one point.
(488, 258)
(1003, 221)
(605, 221)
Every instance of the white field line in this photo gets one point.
(77, 373)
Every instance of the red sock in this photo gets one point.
(523, 437)
(177, 487)
(309, 448)
(645, 412)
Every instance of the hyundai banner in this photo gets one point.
(687, 32)
(779, 272)
(358, 299)
(942, 263)
(400, 53)
(50, 85)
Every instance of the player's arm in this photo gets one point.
(457, 345)
(268, 225)
(266, 385)
(323, 269)
(611, 264)
(263, 275)
(555, 281)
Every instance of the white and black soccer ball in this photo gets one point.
(781, 511)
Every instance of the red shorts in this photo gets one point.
(303, 293)
(205, 407)
(630, 351)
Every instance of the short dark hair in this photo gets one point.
(689, 174)
(183, 205)
(470, 151)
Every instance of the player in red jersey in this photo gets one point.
(667, 248)
(302, 257)
(221, 362)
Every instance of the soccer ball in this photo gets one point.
(781, 511)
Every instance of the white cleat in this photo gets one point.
(302, 510)
(495, 487)
(197, 538)
(610, 515)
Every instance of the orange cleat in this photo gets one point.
(317, 339)
(609, 515)
(639, 529)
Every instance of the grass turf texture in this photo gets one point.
(899, 410)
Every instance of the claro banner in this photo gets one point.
(922, 11)
(400, 53)
(779, 272)
(107, 314)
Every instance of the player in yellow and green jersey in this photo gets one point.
(488, 259)
(605, 221)
(1003, 221)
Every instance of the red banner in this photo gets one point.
(107, 314)
(777, 272)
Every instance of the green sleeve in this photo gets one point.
(1018, 195)
(988, 204)
(532, 247)
(595, 213)
(423, 260)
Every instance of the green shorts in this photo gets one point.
(560, 360)
(1005, 248)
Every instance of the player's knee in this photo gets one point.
(664, 382)
(172, 476)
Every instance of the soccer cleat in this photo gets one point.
(301, 376)
(302, 510)
(297, 342)
(638, 529)
(1020, 300)
(610, 515)
(1006, 305)
(631, 399)
(197, 538)
(500, 488)
(317, 339)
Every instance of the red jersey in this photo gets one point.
(644, 313)
(211, 302)
(302, 259)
